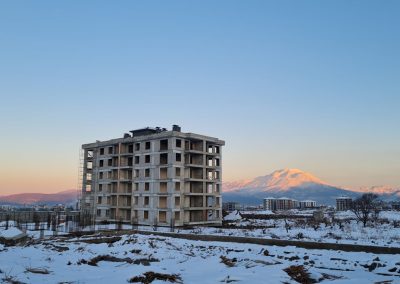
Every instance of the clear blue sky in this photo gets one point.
(313, 85)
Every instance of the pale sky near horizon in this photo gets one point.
(313, 85)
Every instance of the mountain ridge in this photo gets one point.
(296, 184)
(62, 197)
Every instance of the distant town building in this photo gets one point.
(306, 204)
(395, 205)
(343, 203)
(279, 204)
(284, 203)
(231, 206)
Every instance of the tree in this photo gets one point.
(365, 207)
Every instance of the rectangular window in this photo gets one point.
(98, 212)
(101, 151)
(100, 187)
(177, 172)
(101, 163)
(163, 187)
(146, 215)
(162, 216)
(163, 173)
(163, 159)
(146, 201)
(147, 146)
(147, 159)
(147, 173)
(136, 173)
(177, 201)
(130, 148)
(147, 186)
(137, 146)
(164, 145)
(99, 200)
(136, 200)
(177, 216)
(136, 186)
(109, 162)
(177, 186)
(110, 150)
(178, 143)
(101, 175)
(178, 157)
(137, 159)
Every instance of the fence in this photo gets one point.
(65, 222)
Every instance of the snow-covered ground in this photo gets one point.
(65, 261)
(345, 230)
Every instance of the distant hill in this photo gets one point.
(296, 184)
(63, 197)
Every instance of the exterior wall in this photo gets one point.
(280, 204)
(343, 204)
(307, 204)
(166, 178)
(231, 206)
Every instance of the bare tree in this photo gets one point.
(366, 207)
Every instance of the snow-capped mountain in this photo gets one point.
(291, 183)
(281, 180)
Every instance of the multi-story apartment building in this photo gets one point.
(279, 204)
(283, 203)
(306, 204)
(231, 206)
(343, 203)
(154, 176)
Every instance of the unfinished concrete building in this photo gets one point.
(153, 176)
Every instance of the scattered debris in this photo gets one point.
(228, 279)
(227, 261)
(326, 276)
(149, 277)
(101, 240)
(11, 280)
(38, 270)
(299, 274)
(106, 257)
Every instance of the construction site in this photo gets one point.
(153, 176)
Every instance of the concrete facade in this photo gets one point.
(154, 177)
(343, 203)
(231, 206)
(283, 203)
(280, 204)
(306, 204)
